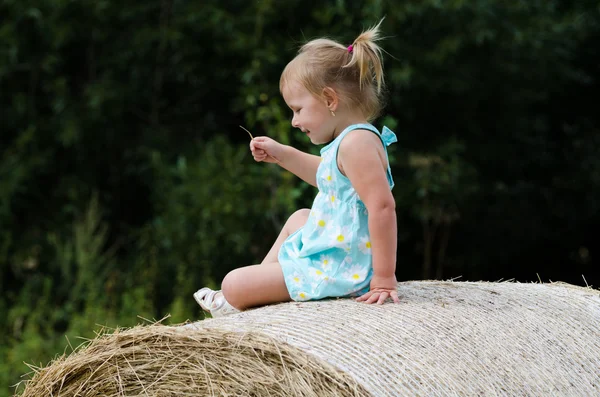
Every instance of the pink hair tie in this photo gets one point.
(350, 48)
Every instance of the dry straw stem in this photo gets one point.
(252, 138)
(444, 339)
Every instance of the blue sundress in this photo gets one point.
(330, 256)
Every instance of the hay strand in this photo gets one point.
(252, 138)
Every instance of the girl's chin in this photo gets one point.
(313, 139)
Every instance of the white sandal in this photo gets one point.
(217, 306)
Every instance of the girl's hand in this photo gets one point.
(382, 288)
(266, 149)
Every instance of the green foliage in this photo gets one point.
(442, 184)
(204, 207)
(126, 182)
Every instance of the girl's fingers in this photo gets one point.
(382, 298)
(363, 297)
(373, 298)
(255, 144)
(379, 297)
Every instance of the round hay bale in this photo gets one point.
(161, 361)
(445, 338)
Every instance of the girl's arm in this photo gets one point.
(303, 165)
(362, 159)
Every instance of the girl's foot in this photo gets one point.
(214, 302)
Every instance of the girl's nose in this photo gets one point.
(295, 123)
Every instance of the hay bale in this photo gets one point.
(446, 338)
(160, 361)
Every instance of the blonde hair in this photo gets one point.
(356, 73)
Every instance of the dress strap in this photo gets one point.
(387, 136)
(357, 127)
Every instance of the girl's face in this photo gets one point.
(311, 114)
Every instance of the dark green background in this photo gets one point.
(126, 183)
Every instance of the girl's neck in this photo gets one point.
(346, 122)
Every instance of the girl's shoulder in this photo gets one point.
(364, 154)
(366, 137)
(360, 142)
(360, 146)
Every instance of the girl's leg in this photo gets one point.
(255, 285)
(294, 222)
(262, 284)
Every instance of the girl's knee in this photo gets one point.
(296, 220)
(229, 286)
(303, 212)
(300, 216)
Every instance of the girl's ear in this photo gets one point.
(331, 98)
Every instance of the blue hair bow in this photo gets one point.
(388, 136)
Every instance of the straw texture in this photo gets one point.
(444, 339)
(449, 338)
(162, 361)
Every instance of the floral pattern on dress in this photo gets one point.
(330, 256)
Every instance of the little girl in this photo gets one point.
(345, 245)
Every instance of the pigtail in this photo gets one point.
(366, 54)
(355, 72)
